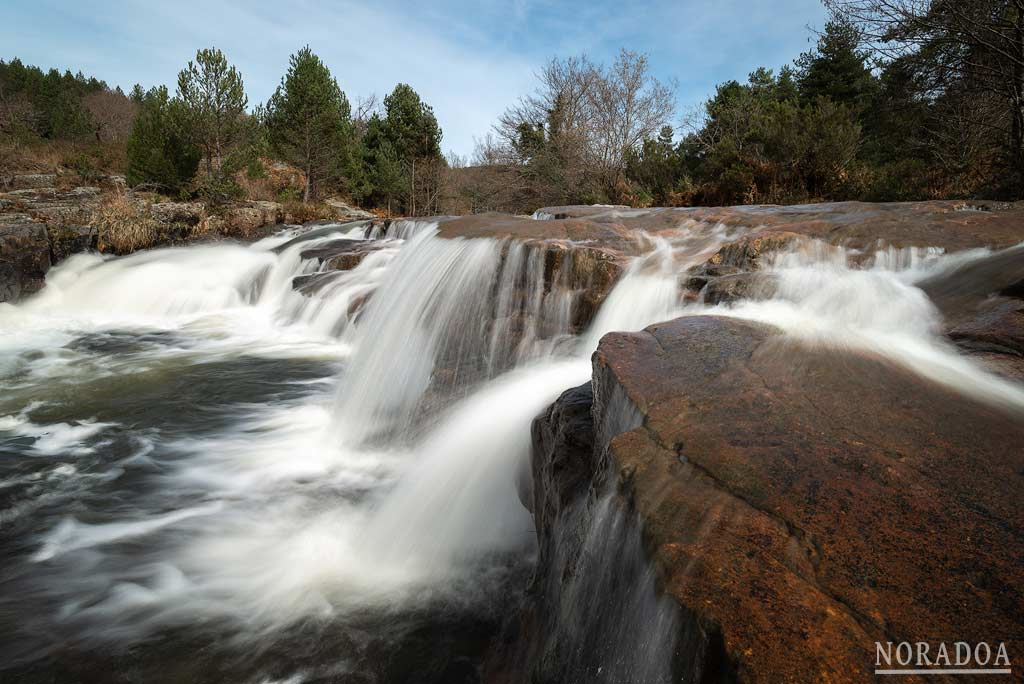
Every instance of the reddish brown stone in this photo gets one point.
(953, 225)
(810, 502)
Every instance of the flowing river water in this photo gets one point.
(206, 475)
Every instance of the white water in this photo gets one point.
(824, 299)
(388, 485)
(382, 479)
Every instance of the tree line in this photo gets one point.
(389, 157)
(897, 100)
(55, 105)
(201, 139)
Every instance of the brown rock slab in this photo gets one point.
(952, 225)
(343, 254)
(813, 501)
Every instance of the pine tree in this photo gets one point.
(837, 68)
(157, 154)
(214, 103)
(411, 129)
(308, 122)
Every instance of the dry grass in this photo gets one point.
(51, 156)
(124, 225)
(302, 212)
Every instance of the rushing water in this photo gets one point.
(206, 475)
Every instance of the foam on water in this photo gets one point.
(376, 470)
(825, 298)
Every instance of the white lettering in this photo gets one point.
(881, 652)
(977, 653)
(922, 653)
(943, 656)
(962, 649)
(900, 657)
(1001, 656)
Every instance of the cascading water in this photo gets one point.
(208, 467)
(173, 429)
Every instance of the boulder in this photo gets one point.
(343, 254)
(345, 212)
(180, 213)
(24, 259)
(982, 303)
(732, 288)
(68, 240)
(798, 503)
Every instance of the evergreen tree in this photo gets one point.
(214, 103)
(414, 137)
(383, 165)
(157, 153)
(308, 122)
(837, 68)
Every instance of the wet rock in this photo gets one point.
(982, 303)
(798, 503)
(313, 283)
(24, 259)
(68, 240)
(343, 254)
(565, 433)
(812, 501)
(995, 326)
(732, 288)
(582, 256)
(951, 225)
(599, 234)
(748, 253)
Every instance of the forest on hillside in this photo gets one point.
(896, 100)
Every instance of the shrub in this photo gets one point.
(124, 225)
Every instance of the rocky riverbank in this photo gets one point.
(800, 499)
(43, 221)
(805, 462)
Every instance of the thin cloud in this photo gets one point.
(469, 60)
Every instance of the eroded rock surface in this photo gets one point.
(343, 254)
(951, 225)
(802, 502)
(24, 259)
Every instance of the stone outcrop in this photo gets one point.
(737, 286)
(799, 504)
(24, 258)
(982, 303)
(343, 254)
(952, 225)
(28, 181)
(345, 212)
(585, 256)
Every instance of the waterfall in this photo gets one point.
(236, 440)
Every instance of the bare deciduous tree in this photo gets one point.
(578, 127)
(112, 114)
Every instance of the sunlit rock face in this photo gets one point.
(800, 501)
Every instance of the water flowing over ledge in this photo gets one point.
(325, 437)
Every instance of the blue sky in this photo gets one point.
(467, 59)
